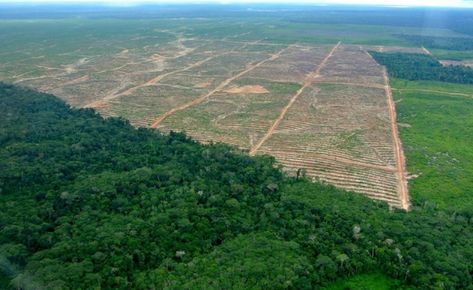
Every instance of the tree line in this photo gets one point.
(415, 66)
(439, 42)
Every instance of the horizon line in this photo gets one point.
(137, 3)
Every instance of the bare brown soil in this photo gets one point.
(202, 85)
(257, 89)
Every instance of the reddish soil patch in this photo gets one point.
(202, 85)
(399, 153)
(247, 90)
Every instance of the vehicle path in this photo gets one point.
(308, 81)
(222, 85)
(398, 152)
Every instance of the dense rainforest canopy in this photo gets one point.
(450, 43)
(93, 203)
(414, 66)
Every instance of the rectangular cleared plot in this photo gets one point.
(293, 65)
(339, 134)
(345, 120)
(351, 64)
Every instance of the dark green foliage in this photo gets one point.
(88, 203)
(369, 281)
(413, 66)
(450, 43)
(260, 260)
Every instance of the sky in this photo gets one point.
(436, 3)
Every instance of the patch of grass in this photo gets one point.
(371, 281)
(437, 142)
(450, 88)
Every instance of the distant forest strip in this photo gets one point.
(454, 19)
(437, 42)
(93, 203)
(413, 66)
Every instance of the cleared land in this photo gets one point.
(324, 110)
(342, 133)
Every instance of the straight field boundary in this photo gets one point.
(397, 146)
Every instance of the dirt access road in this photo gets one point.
(398, 152)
